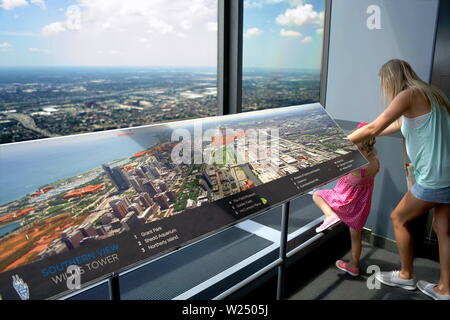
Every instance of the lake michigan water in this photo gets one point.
(24, 167)
(9, 227)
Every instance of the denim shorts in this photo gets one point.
(431, 195)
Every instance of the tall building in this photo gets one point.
(171, 195)
(72, 238)
(121, 178)
(161, 200)
(140, 173)
(154, 172)
(136, 184)
(117, 177)
(145, 199)
(119, 207)
(207, 179)
(149, 188)
(131, 220)
(135, 207)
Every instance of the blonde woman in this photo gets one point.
(422, 113)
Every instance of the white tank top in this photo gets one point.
(417, 122)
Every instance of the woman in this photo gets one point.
(422, 113)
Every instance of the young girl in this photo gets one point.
(350, 201)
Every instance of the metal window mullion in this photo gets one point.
(230, 56)
(325, 53)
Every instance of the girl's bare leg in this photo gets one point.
(356, 238)
(327, 211)
(441, 225)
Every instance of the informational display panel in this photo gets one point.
(76, 209)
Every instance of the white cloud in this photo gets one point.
(253, 4)
(41, 3)
(212, 26)
(53, 29)
(248, 4)
(299, 16)
(160, 26)
(179, 33)
(5, 45)
(290, 33)
(142, 40)
(319, 31)
(37, 50)
(185, 25)
(321, 18)
(252, 32)
(307, 39)
(12, 4)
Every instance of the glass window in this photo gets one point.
(77, 66)
(282, 52)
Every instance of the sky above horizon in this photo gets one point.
(277, 33)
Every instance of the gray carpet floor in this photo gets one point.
(332, 283)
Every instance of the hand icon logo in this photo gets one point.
(21, 287)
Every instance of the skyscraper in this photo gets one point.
(136, 184)
(207, 179)
(162, 201)
(171, 195)
(149, 188)
(118, 177)
(154, 172)
(119, 207)
(145, 199)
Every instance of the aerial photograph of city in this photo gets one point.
(108, 83)
(126, 178)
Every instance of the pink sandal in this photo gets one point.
(342, 265)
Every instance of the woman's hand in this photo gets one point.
(384, 124)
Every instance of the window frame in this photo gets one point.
(229, 66)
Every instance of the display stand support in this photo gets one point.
(114, 287)
(283, 244)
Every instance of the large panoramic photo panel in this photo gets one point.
(105, 202)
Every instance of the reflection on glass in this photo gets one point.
(282, 52)
(81, 66)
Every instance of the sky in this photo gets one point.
(277, 33)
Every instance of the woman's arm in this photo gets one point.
(393, 128)
(396, 109)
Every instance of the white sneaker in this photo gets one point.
(392, 278)
(427, 288)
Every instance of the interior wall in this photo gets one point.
(357, 53)
(353, 93)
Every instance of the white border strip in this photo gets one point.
(260, 230)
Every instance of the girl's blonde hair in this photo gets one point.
(368, 146)
(397, 75)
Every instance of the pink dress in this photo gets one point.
(351, 198)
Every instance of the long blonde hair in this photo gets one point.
(397, 75)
